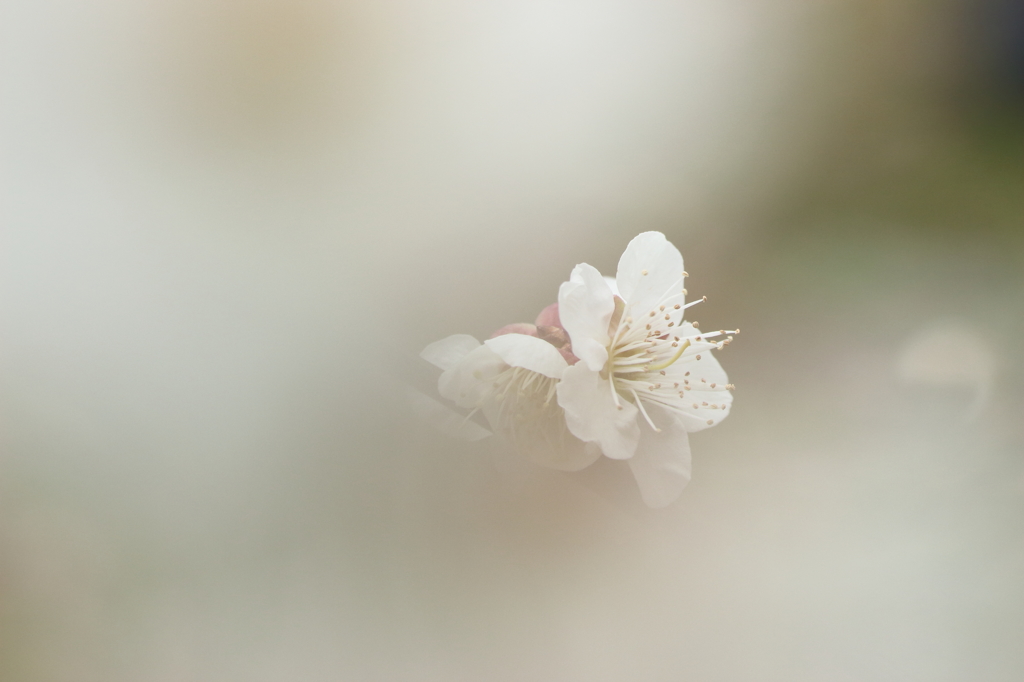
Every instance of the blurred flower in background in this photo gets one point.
(229, 227)
(954, 359)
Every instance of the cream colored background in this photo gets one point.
(228, 228)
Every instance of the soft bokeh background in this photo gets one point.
(229, 226)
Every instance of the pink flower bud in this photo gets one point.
(557, 337)
(567, 354)
(549, 317)
(516, 328)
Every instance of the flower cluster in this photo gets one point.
(612, 368)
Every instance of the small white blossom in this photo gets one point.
(645, 377)
(512, 379)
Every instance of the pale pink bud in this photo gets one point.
(549, 317)
(558, 338)
(516, 328)
(567, 354)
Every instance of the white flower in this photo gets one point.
(612, 367)
(645, 376)
(512, 379)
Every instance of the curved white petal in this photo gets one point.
(545, 440)
(592, 415)
(661, 464)
(449, 351)
(565, 456)
(468, 382)
(705, 397)
(585, 306)
(650, 272)
(528, 352)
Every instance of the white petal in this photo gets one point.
(592, 415)
(585, 306)
(661, 464)
(528, 352)
(545, 439)
(706, 381)
(590, 453)
(449, 351)
(565, 456)
(445, 419)
(468, 382)
(650, 272)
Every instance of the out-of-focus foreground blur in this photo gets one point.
(229, 227)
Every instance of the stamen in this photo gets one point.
(693, 303)
(671, 361)
(710, 335)
(643, 411)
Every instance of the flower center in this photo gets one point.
(522, 399)
(518, 384)
(642, 350)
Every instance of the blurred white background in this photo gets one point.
(229, 227)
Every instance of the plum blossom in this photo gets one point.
(512, 378)
(612, 367)
(646, 377)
